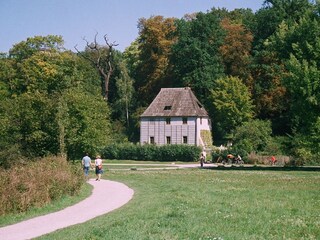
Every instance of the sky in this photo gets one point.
(75, 20)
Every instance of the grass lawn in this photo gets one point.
(209, 204)
(135, 167)
(107, 161)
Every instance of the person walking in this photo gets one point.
(86, 164)
(98, 165)
(202, 158)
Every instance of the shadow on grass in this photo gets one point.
(263, 168)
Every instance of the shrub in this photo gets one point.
(10, 156)
(253, 135)
(304, 150)
(304, 156)
(184, 153)
(37, 183)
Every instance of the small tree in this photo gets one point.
(232, 104)
(125, 91)
(253, 135)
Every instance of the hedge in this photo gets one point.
(163, 153)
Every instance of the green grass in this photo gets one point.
(209, 204)
(110, 165)
(107, 161)
(52, 207)
(140, 162)
(129, 166)
(134, 167)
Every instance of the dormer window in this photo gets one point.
(167, 108)
(185, 120)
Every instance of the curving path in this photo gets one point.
(106, 196)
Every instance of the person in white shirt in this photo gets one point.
(98, 165)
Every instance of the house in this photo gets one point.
(176, 117)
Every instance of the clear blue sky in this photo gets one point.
(75, 19)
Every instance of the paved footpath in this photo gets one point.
(106, 196)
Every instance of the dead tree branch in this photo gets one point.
(102, 60)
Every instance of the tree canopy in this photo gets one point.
(232, 104)
(52, 104)
(242, 66)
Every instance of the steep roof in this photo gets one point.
(174, 102)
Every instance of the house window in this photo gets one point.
(168, 121)
(185, 120)
(151, 140)
(168, 140)
(185, 139)
(167, 108)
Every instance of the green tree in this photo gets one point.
(7, 72)
(25, 49)
(195, 56)
(297, 44)
(51, 102)
(303, 84)
(88, 123)
(131, 56)
(269, 17)
(232, 105)
(268, 66)
(125, 92)
(28, 121)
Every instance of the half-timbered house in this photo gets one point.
(176, 116)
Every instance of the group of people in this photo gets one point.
(230, 159)
(87, 164)
(235, 159)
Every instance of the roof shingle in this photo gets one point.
(174, 102)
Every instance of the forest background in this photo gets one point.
(257, 74)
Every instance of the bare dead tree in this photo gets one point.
(102, 61)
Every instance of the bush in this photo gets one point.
(253, 136)
(304, 150)
(184, 153)
(304, 156)
(37, 183)
(11, 156)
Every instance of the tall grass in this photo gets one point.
(261, 159)
(209, 204)
(53, 206)
(36, 183)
